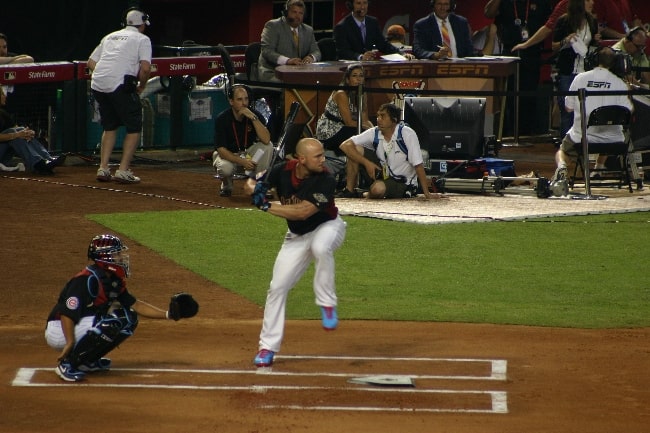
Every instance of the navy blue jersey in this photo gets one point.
(90, 293)
(318, 189)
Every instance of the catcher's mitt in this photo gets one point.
(182, 306)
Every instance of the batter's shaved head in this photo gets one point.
(310, 154)
(307, 145)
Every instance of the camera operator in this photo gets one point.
(634, 44)
(600, 78)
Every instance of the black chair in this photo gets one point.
(617, 172)
(228, 64)
(272, 95)
(327, 48)
(251, 59)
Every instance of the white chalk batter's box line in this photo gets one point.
(498, 399)
(498, 370)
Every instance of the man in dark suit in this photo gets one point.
(287, 41)
(430, 41)
(349, 35)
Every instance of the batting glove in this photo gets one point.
(259, 199)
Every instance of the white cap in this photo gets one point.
(137, 18)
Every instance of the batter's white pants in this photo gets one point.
(295, 255)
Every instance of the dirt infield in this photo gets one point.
(197, 375)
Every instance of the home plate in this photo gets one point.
(384, 380)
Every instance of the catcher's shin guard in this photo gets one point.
(106, 335)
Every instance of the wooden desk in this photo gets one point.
(458, 74)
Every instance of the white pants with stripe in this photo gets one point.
(54, 334)
(294, 258)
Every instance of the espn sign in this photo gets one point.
(401, 70)
(599, 84)
(462, 70)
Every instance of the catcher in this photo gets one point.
(95, 312)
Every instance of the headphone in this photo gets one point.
(350, 5)
(290, 3)
(145, 17)
(621, 63)
(452, 5)
(392, 110)
(249, 91)
(632, 31)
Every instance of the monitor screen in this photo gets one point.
(449, 127)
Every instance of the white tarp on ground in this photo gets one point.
(463, 208)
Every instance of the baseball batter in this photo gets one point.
(306, 193)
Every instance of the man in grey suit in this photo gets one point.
(287, 41)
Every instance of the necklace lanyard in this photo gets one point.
(517, 20)
(387, 147)
(234, 130)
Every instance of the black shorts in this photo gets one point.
(569, 147)
(396, 188)
(120, 108)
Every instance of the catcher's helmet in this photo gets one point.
(109, 253)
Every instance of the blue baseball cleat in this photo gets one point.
(264, 358)
(69, 373)
(330, 318)
(102, 364)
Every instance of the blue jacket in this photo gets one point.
(426, 36)
(349, 43)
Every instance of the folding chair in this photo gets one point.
(619, 172)
(327, 47)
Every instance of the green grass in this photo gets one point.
(585, 272)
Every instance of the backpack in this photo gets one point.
(400, 140)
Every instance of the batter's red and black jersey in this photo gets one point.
(318, 189)
(90, 293)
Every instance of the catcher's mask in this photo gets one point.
(109, 253)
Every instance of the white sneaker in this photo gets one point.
(125, 176)
(7, 168)
(561, 173)
(104, 175)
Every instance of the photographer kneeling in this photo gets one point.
(390, 153)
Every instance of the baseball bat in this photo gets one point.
(282, 141)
